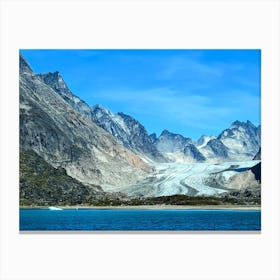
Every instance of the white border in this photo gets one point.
(145, 24)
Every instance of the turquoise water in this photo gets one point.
(139, 220)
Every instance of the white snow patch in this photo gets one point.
(119, 120)
(76, 99)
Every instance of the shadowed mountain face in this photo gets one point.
(190, 151)
(218, 148)
(65, 138)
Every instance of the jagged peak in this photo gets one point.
(129, 119)
(56, 75)
(24, 67)
(153, 135)
(125, 115)
(238, 123)
(99, 108)
(55, 80)
(205, 137)
(166, 132)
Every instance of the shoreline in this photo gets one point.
(152, 207)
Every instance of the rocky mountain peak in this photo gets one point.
(99, 110)
(236, 123)
(165, 132)
(24, 66)
(153, 137)
(193, 153)
(242, 138)
(55, 80)
(169, 142)
(204, 139)
(218, 148)
(128, 131)
(168, 134)
(246, 124)
(131, 122)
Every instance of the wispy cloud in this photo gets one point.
(180, 66)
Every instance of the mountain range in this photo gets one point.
(93, 147)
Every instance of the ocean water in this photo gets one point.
(138, 220)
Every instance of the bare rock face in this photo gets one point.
(169, 142)
(242, 138)
(217, 148)
(128, 131)
(56, 82)
(66, 138)
(191, 152)
(245, 183)
(243, 180)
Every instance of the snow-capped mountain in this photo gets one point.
(242, 138)
(127, 131)
(240, 142)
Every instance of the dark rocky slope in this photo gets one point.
(42, 184)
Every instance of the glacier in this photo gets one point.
(183, 178)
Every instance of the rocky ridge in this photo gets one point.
(65, 138)
(56, 82)
(128, 132)
(239, 142)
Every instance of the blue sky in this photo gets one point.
(191, 92)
